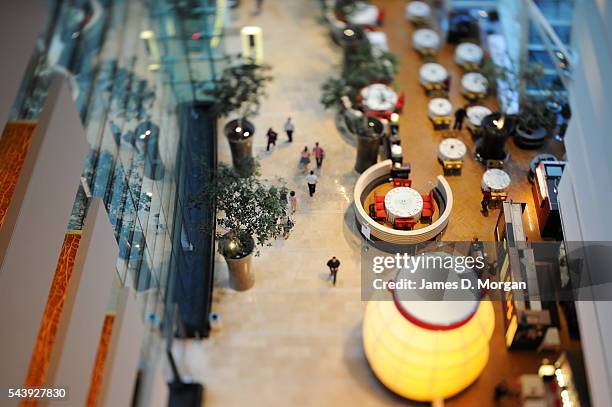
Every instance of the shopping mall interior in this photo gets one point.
(196, 196)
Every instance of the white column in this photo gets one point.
(123, 353)
(34, 228)
(86, 304)
(20, 24)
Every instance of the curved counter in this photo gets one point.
(378, 174)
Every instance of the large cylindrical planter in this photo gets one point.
(528, 138)
(367, 150)
(241, 276)
(492, 144)
(352, 37)
(238, 259)
(239, 133)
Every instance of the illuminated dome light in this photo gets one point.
(427, 350)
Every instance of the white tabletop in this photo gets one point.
(403, 202)
(379, 97)
(440, 107)
(475, 114)
(495, 180)
(396, 150)
(364, 14)
(467, 52)
(425, 38)
(417, 9)
(378, 39)
(432, 72)
(452, 149)
(474, 82)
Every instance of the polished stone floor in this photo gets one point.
(293, 339)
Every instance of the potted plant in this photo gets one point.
(252, 212)
(359, 69)
(238, 91)
(536, 117)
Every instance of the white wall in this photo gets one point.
(586, 188)
(20, 23)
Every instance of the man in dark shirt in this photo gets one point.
(459, 116)
(271, 138)
(333, 265)
(486, 201)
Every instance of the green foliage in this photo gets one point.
(240, 88)
(248, 207)
(533, 111)
(333, 89)
(534, 114)
(361, 67)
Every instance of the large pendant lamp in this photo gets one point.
(427, 350)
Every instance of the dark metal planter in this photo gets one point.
(239, 133)
(367, 150)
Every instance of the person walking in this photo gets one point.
(272, 136)
(311, 180)
(333, 265)
(319, 154)
(258, 5)
(289, 127)
(459, 117)
(486, 200)
(292, 202)
(565, 116)
(304, 160)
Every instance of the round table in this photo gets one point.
(439, 107)
(425, 38)
(451, 149)
(475, 114)
(364, 14)
(403, 202)
(468, 53)
(495, 180)
(474, 82)
(379, 97)
(432, 72)
(417, 11)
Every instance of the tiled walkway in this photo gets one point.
(293, 340)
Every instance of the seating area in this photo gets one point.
(375, 202)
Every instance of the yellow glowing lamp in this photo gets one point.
(252, 45)
(427, 350)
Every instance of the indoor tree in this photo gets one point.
(252, 213)
(239, 90)
(361, 67)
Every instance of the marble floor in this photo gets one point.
(293, 339)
